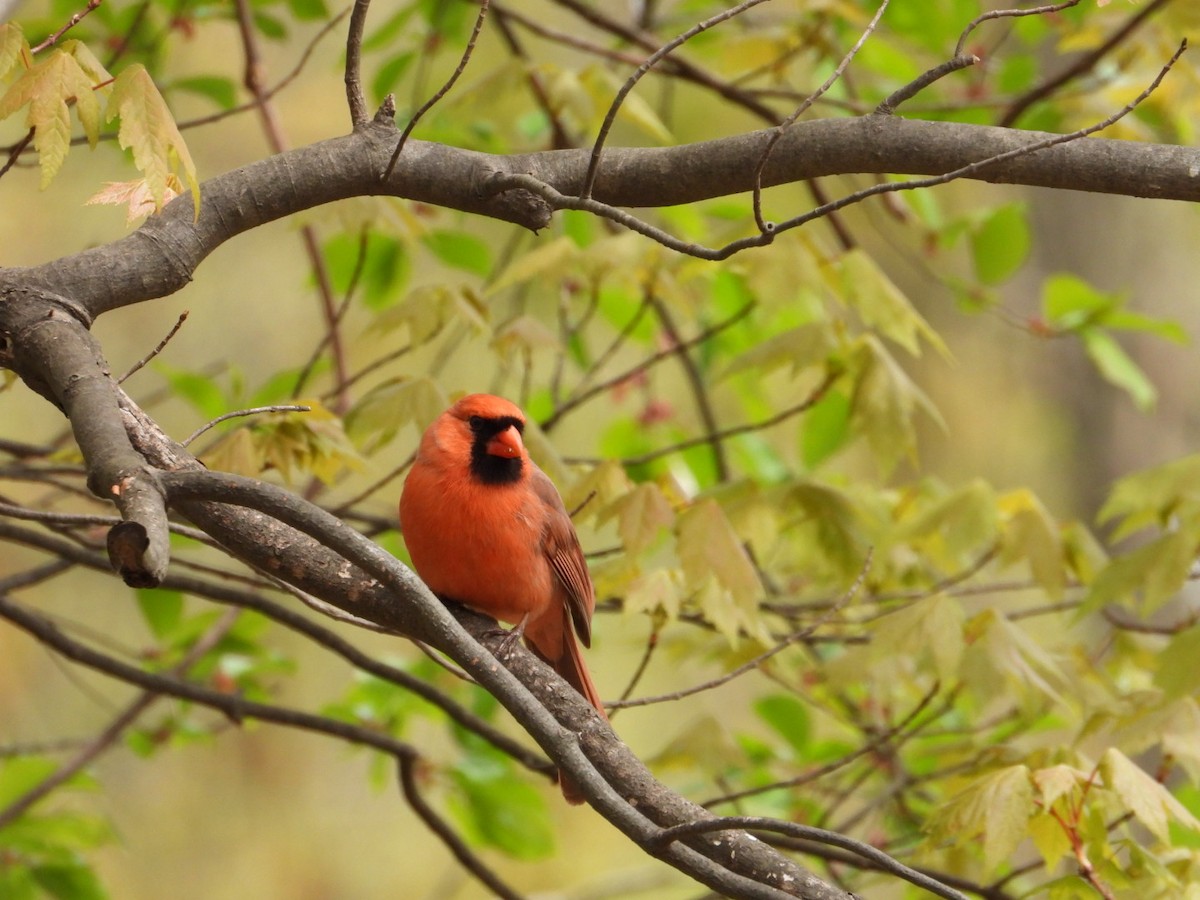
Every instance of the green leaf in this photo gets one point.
(20, 774)
(162, 610)
(826, 428)
(1070, 303)
(503, 812)
(461, 251)
(389, 75)
(1000, 245)
(1153, 573)
(221, 91)
(789, 718)
(308, 10)
(1118, 369)
(69, 882)
(377, 267)
(201, 391)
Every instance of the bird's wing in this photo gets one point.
(561, 546)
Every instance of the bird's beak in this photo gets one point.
(507, 444)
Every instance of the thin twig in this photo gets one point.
(812, 98)
(71, 23)
(113, 731)
(805, 405)
(580, 397)
(914, 87)
(468, 51)
(757, 661)
(695, 379)
(157, 350)
(355, 98)
(1008, 14)
(589, 180)
(253, 411)
(1084, 64)
(407, 765)
(877, 742)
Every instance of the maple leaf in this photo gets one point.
(13, 47)
(47, 87)
(135, 196)
(148, 129)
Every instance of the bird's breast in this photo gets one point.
(478, 544)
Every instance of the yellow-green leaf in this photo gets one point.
(524, 334)
(1031, 534)
(375, 419)
(716, 565)
(1150, 802)
(148, 129)
(933, 625)
(47, 88)
(547, 261)
(1154, 496)
(12, 46)
(89, 110)
(601, 85)
(1056, 782)
(1152, 573)
(997, 806)
(883, 306)
(885, 403)
(642, 515)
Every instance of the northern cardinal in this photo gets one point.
(487, 528)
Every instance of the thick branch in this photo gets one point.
(163, 254)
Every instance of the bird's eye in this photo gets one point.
(476, 422)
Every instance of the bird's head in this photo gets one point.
(493, 426)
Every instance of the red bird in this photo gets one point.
(486, 527)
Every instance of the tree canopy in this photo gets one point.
(887, 496)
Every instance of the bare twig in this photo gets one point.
(579, 397)
(695, 379)
(273, 129)
(1084, 64)
(113, 731)
(756, 662)
(725, 433)
(1047, 10)
(439, 826)
(355, 98)
(812, 98)
(254, 411)
(914, 87)
(157, 350)
(71, 23)
(468, 51)
(589, 180)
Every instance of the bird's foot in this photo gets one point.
(511, 637)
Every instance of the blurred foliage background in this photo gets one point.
(1034, 348)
